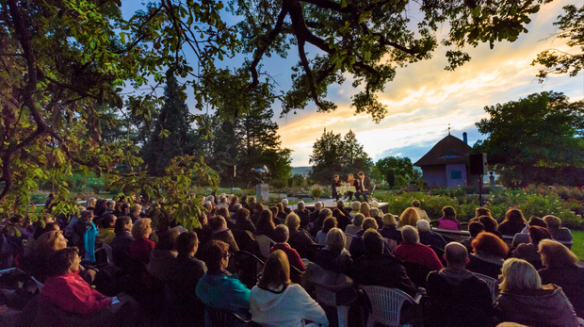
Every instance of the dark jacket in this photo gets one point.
(383, 270)
(134, 218)
(484, 267)
(227, 237)
(392, 233)
(433, 239)
(545, 307)
(528, 252)
(334, 186)
(357, 247)
(338, 262)
(314, 216)
(245, 225)
(459, 288)
(509, 228)
(366, 184)
(300, 241)
(190, 270)
(571, 280)
(343, 218)
(304, 216)
(121, 248)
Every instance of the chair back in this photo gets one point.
(265, 244)
(386, 304)
(248, 267)
(417, 273)
(492, 283)
(324, 296)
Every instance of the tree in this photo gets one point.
(400, 166)
(530, 138)
(390, 177)
(173, 135)
(571, 26)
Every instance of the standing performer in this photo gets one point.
(365, 185)
(336, 183)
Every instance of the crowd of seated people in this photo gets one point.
(198, 268)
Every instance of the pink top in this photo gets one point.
(448, 224)
(71, 293)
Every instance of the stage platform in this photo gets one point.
(331, 204)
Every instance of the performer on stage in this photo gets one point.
(336, 183)
(353, 182)
(365, 185)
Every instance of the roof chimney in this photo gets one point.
(465, 138)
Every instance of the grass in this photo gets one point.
(578, 246)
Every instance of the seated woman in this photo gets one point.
(355, 208)
(190, 270)
(357, 247)
(523, 237)
(560, 234)
(265, 225)
(326, 227)
(448, 220)
(489, 254)
(376, 214)
(218, 288)
(524, 300)
(334, 257)
(141, 247)
(514, 223)
(298, 238)
(302, 213)
(410, 250)
(222, 233)
(409, 218)
(122, 241)
(243, 222)
(66, 289)
(356, 226)
(37, 262)
(491, 225)
(428, 237)
(163, 264)
(563, 268)
(530, 251)
(389, 230)
(365, 209)
(276, 302)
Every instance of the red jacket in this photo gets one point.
(293, 256)
(418, 253)
(71, 293)
(140, 249)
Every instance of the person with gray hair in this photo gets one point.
(281, 234)
(456, 287)
(317, 207)
(110, 208)
(334, 257)
(302, 213)
(286, 209)
(410, 250)
(355, 206)
(428, 237)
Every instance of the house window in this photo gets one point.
(455, 175)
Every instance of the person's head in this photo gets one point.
(456, 255)
(208, 206)
(253, 201)
(328, 224)
(364, 208)
(217, 222)
(244, 199)
(556, 255)
(217, 257)
(86, 216)
(358, 220)
(449, 213)
(410, 215)
(423, 226)
(482, 211)
(236, 207)
(317, 206)
(136, 209)
(326, 213)
(536, 234)
(187, 244)
(340, 204)
(515, 216)
(336, 240)
(64, 261)
(370, 223)
(242, 214)
(90, 203)
(167, 240)
(552, 222)
(355, 206)
(224, 212)
(281, 234)
(410, 235)
(536, 221)
(111, 204)
(234, 199)
(275, 210)
(125, 209)
(489, 222)
(336, 178)
(48, 227)
(300, 205)
(361, 174)
(123, 224)
(265, 220)
(373, 204)
(284, 202)
(17, 219)
(490, 244)
(293, 222)
(475, 228)
(142, 228)
(258, 207)
(374, 212)
(416, 204)
(373, 242)
(276, 271)
(108, 221)
(51, 241)
(519, 274)
(389, 220)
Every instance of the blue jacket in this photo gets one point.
(222, 292)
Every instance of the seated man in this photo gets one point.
(457, 291)
(376, 268)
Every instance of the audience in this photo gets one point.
(327, 225)
(489, 254)
(410, 250)
(364, 209)
(298, 239)
(355, 227)
(334, 257)
(523, 237)
(163, 264)
(222, 233)
(376, 268)
(428, 237)
(286, 210)
(276, 302)
(265, 225)
(559, 233)
(524, 300)
(421, 213)
(257, 210)
(562, 268)
(474, 229)
(189, 268)
(243, 222)
(409, 218)
(491, 225)
(135, 212)
(141, 247)
(448, 220)
(302, 213)
(357, 247)
(530, 251)
(355, 206)
(389, 231)
(106, 231)
(315, 214)
(317, 225)
(122, 241)
(514, 223)
(281, 235)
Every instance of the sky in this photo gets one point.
(424, 98)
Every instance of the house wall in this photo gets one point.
(434, 175)
(455, 175)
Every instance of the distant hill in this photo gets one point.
(301, 170)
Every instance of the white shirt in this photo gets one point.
(363, 184)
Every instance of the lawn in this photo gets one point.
(578, 247)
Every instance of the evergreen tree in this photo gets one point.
(173, 135)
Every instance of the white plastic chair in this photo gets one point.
(265, 243)
(326, 297)
(386, 304)
(492, 283)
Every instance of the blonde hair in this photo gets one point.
(140, 227)
(409, 217)
(47, 241)
(519, 274)
(90, 203)
(355, 206)
(364, 208)
(389, 220)
(555, 254)
(292, 221)
(335, 239)
(552, 222)
(370, 223)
